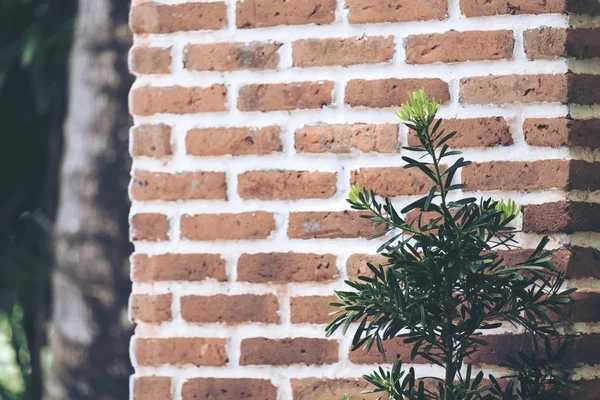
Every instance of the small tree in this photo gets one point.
(444, 283)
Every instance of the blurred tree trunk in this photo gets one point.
(90, 336)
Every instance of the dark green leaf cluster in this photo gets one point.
(444, 283)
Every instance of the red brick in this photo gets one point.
(230, 309)
(584, 89)
(517, 175)
(286, 185)
(149, 227)
(363, 138)
(451, 47)
(231, 56)
(392, 181)
(545, 43)
(152, 388)
(312, 309)
(514, 89)
(586, 307)
(588, 389)
(263, 13)
(369, 11)
(330, 225)
(234, 141)
(228, 389)
(148, 100)
(561, 217)
(348, 51)
(583, 42)
(285, 96)
(357, 264)
(180, 351)
(583, 263)
(473, 132)
(479, 8)
(159, 18)
(328, 389)
(244, 226)
(562, 132)
(150, 60)
(152, 141)
(182, 186)
(392, 92)
(151, 308)
(178, 267)
(263, 351)
(287, 267)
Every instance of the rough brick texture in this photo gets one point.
(151, 60)
(157, 18)
(231, 56)
(152, 141)
(286, 185)
(228, 389)
(234, 141)
(230, 309)
(363, 138)
(324, 52)
(252, 118)
(263, 351)
(285, 96)
(451, 47)
(286, 267)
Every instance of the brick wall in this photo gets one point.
(252, 119)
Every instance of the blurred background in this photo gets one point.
(64, 273)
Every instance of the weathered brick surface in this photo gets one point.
(181, 351)
(325, 52)
(230, 309)
(152, 141)
(234, 141)
(478, 8)
(228, 389)
(178, 267)
(286, 185)
(263, 351)
(330, 225)
(514, 89)
(370, 11)
(183, 186)
(391, 92)
(287, 267)
(312, 309)
(149, 227)
(327, 389)
(151, 388)
(357, 264)
(285, 96)
(248, 226)
(232, 56)
(252, 118)
(528, 176)
(558, 132)
(149, 100)
(151, 60)
(263, 13)
(364, 138)
(451, 47)
(473, 132)
(151, 308)
(391, 182)
(561, 217)
(162, 18)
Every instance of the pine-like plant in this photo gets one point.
(444, 284)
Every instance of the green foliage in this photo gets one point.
(445, 284)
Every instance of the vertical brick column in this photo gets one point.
(254, 117)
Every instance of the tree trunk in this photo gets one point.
(90, 335)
